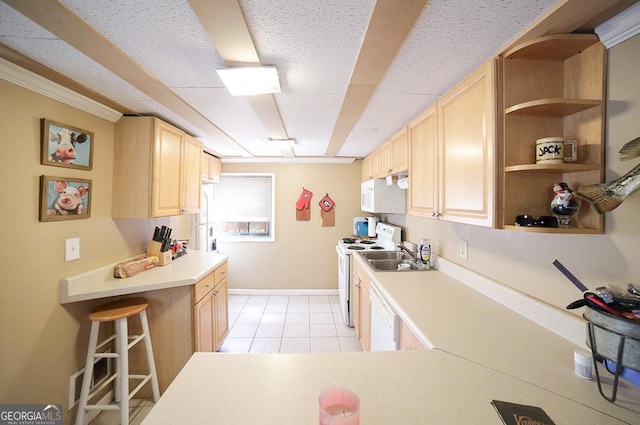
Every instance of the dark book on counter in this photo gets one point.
(521, 414)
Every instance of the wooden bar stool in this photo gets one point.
(118, 312)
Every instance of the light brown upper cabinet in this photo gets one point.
(551, 86)
(423, 164)
(392, 158)
(365, 169)
(211, 168)
(466, 132)
(400, 152)
(156, 170)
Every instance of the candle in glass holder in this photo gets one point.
(339, 406)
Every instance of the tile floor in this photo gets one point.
(287, 324)
(272, 324)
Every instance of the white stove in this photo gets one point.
(387, 239)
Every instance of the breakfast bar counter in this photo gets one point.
(401, 387)
(100, 283)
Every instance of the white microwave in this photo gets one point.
(378, 197)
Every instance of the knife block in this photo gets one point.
(153, 249)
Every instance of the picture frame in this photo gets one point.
(64, 198)
(66, 146)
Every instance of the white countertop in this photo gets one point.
(446, 314)
(100, 283)
(402, 387)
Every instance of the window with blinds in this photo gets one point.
(243, 207)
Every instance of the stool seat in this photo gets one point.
(118, 309)
(116, 347)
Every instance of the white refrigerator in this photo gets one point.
(202, 225)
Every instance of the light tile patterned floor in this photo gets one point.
(287, 324)
(273, 324)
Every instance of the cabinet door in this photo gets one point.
(365, 318)
(365, 169)
(203, 314)
(385, 159)
(423, 164)
(192, 181)
(400, 151)
(354, 303)
(215, 169)
(221, 314)
(466, 117)
(375, 165)
(408, 341)
(167, 170)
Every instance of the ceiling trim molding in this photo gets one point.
(296, 160)
(621, 27)
(31, 81)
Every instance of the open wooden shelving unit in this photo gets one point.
(550, 86)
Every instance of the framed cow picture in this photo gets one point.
(66, 146)
(64, 198)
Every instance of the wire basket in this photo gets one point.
(614, 338)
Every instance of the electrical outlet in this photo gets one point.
(71, 249)
(464, 249)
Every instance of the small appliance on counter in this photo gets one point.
(360, 226)
(372, 222)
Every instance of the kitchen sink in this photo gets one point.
(386, 255)
(391, 261)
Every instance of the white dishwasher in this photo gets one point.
(385, 323)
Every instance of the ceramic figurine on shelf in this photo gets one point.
(564, 204)
(605, 197)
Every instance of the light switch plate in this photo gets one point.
(71, 249)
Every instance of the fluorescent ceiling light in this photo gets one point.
(251, 80)
(281, 143)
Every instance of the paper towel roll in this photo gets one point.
(403, 183)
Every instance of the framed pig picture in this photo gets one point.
(64, 198)
(66, 146)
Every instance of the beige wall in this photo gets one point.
(303, 255)
(524, 260)
(41, 342)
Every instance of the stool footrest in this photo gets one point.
(102, 407)
(135, 339)
(145, 379)
(106, 355)
(96, 390)
(105, 342)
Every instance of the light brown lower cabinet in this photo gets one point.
(210, 310)
(361, 306)
(408, 340)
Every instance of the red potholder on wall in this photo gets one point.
(327, 203)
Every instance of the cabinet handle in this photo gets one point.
(435, 214)
(215, 292)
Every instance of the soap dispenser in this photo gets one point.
(424, 252)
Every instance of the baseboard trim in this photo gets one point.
(239, 291)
